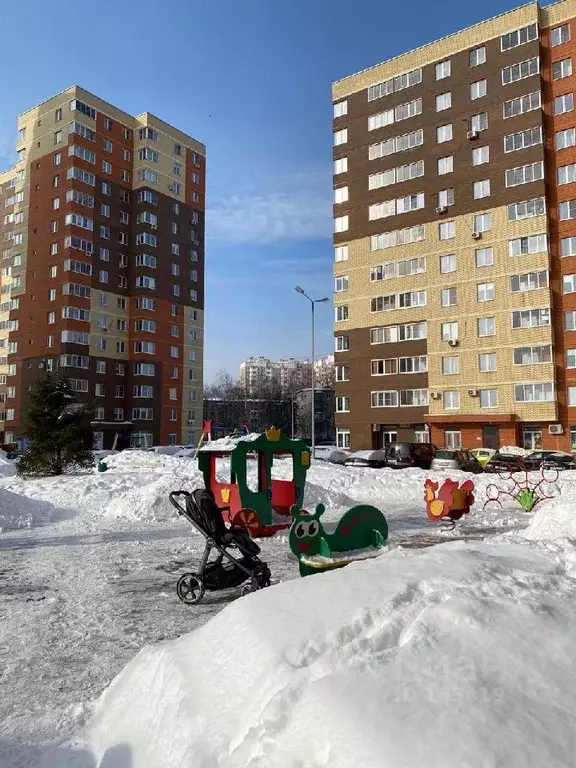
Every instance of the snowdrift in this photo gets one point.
(455, 656)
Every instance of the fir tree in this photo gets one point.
(58, 428)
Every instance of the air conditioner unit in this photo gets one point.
(472, 135)
(473, 392)
(435, 395)
(476, 235)
(453, 342)
(441, 209)
(555, 429)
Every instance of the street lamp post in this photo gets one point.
(313, 303)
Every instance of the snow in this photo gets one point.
(449, 649)
(229, 443)
(513, 450)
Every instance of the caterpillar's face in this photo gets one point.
(304, 536)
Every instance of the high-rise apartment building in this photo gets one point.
(260, 375)
(102, 233)
(455, 239)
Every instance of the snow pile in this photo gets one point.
(7, 467)
(230, 442)
(513, 450)
(554, 519)
(20, 512)
(433, 657)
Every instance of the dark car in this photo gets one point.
(373, 459)
(400, 455)
(550, 459)
(505, 462)
(446, 459)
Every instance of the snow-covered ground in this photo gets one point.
(457, 655)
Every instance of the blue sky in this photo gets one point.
(251, 80)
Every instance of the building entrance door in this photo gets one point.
(490, 437)
(531, 438)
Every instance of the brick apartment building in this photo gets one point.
(102, 237)
(455, 239)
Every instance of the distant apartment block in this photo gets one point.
(455, 239)
(102, 232)
(286, 376)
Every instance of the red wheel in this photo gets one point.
(247, 519)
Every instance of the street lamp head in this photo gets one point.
(298, 289)
(324, 299)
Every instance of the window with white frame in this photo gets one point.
(443, 69)
(340, 223)
(529, 281)
(530, 318)
(445, 197)
(567, 210)
(486, 326)
(533, 393)
(523, 139)
(451, 399)
(567, 174)
(483, 222)
(447, 230)
(341, 284)
(396, 175)
(568, 246)
(448, 263)
(524, 174)
(384, 367)
(487, 362)
(384, 399)
(343, 438)
(518, 37)
(485, 292)
(341, 108)
(444, 133)
(521, 70)
(521, 104)
(484, 257)
(340, 165)
(418, 364)
(448, 297)
(396, 144)
(530, 244)
(342, 343)
(559, 35)
(341, 195)
(341, 253)
(488, 398)
(397, 83)
(341, 373)
(570, 358)
(535, 355)
(343, 404)
(562, 68)
(449, 331)
(340, 137)
(477, 56)
(445, 165)
(443, 101)
(480, 155)
(341, 313)
(568, 283)
(527, 209)
(450, 365)
(570, 321)
(413, 397)
(479, 122)
(478, 89)
(481, 189)
(564, 103)
(383, 303)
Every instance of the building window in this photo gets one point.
(443, 101)
(448, 297)
(341, 373)
(452, 438)
(483, 222)
(486, 326)
(445, 165)
(384, 399)
(526, 174)
(340, 137)
(343, 438)
(342, 343)
(561, 69)
(451, 399)
(341, 224)
(478, 89)
(445, 197)
(531, 318)
(480, 155)
(521, 70)
(444, 133)
(479, 122)
(484, 257)
(477, 56)
(341, 313)
(487, 362)
(450, 365)
(485, 292)
(540, 354)
(481, 189)
(529, 281)
(563, 103)
(532, 393)
(559, 35)
(450, 331)
(447, 230)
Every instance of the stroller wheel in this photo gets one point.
(264, 578)
(248, 588)
(190, 589)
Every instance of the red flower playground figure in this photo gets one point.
(452, 501)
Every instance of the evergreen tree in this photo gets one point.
(58, 428)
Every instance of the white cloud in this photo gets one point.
(301, 211)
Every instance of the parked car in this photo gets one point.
(337, 456)
(374, 459)
(483, 454)
(448, 458)
(399, 455)
(550, 459)
(505, 462)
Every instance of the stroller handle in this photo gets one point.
(173, 496)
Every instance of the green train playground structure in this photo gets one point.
(276, 504)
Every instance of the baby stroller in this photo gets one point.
(227, 571)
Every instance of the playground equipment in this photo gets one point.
(450, 502)
(264, 510)
(360, 534)
(527, 491)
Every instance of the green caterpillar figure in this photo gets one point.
(362, 528)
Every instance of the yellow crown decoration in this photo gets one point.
(273, 434)
(225, 495)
